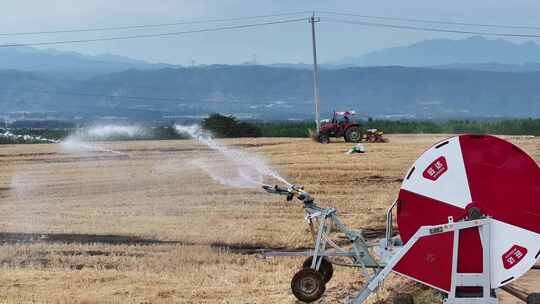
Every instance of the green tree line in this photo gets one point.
(228, 126)
(502, 127)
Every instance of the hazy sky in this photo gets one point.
(279, 43)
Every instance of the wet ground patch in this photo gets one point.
(356, 180)
(256, 145)
(28, 154)
(68, 159)
(259, 248)
(68, 238)
(248, 249)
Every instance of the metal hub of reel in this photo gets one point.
(468, 213)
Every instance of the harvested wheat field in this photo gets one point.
(146, 226)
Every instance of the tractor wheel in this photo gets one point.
(403, 298)
(326, 268)
(308, 285)
(533, 298)
(353, 134)
(324, 139)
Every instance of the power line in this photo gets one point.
(215, 29)
(428, 21)
(142, 26)
(430, 29)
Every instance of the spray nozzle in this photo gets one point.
(275, 189)
(291, 192)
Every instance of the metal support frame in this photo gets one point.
(458, 279)
(482, 279)
(325, 219)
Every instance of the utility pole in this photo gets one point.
(312, 20)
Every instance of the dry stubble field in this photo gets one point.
(148, 227)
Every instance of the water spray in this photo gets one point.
(239, 168)
(80, 141)
(73, 144)
(27, 138)
(111, 131)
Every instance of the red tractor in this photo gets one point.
(342, 124)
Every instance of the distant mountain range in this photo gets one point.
(439, 78)
(72, 64)
(436, 52)
(275, 93)
(473, 53)
(492, 67)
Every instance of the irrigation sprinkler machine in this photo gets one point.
(468, 214)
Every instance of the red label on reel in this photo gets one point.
(513, 256)
(436, 169)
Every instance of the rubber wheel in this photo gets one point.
(308, 285)
(533, 298)
(353, 134)
(403, 298)
(326, 268)
(324, 139)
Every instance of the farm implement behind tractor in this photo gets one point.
(344, 124)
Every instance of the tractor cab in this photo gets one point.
(343, 117)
